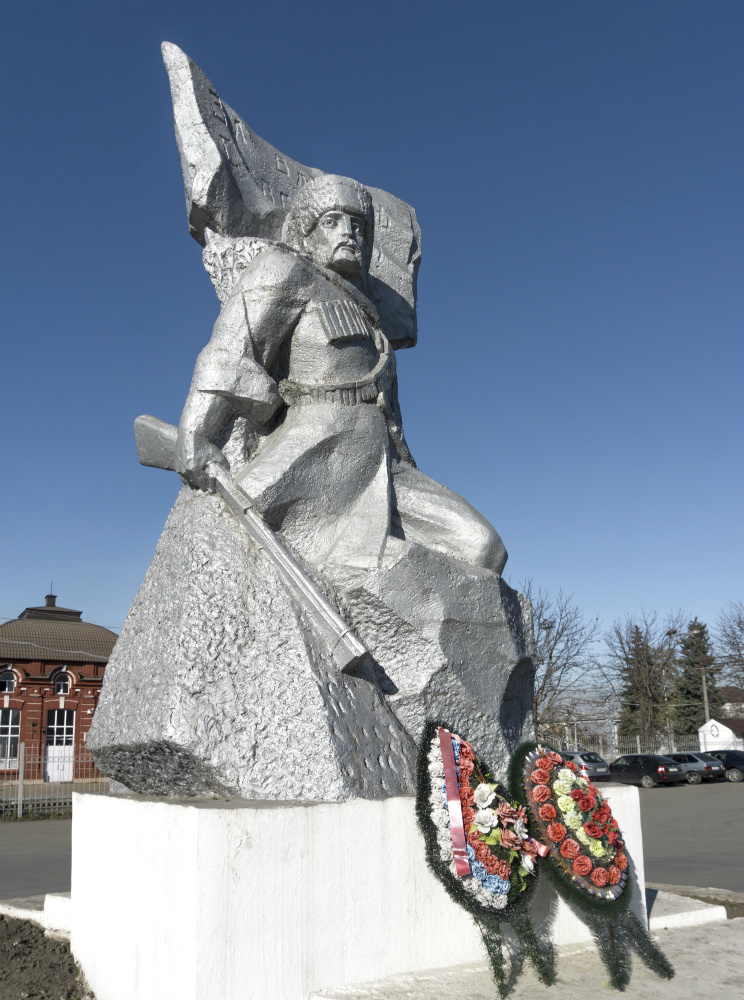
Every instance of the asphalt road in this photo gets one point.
(691, 835)
(35, 857)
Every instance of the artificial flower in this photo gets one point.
(466, 768)
(541, 793)
(483, 796)
(503, 870)
(574, 821)
(555, 757)
(570, 765)
(570, 849)
(540, 777)
(520, 827)
(473, 837)
(600, 877)
(486, 820)
(492, 864)
(582, 865)
(507, 813)
(593, 830)
(586, 803)
(547, 812)
(621, 861)
(510, 840)
(613, 874)
(481, 851)
(556, 831)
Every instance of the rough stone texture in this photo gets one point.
(450, 640)
(217, 686)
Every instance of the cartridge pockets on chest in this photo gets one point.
(343, 320)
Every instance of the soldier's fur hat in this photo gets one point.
(328, 193)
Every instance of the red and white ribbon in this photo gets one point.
(541, 849)
(457, 830)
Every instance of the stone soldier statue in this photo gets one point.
(298, 350)
(303, 514)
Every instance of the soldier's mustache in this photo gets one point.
(347, 244)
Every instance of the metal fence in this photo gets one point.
(610, 749)
(41, 781)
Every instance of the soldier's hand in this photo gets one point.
(194, 453)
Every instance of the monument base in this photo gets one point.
(185, 899)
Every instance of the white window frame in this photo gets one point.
(62, 729)
(62, 680)
(10, 733)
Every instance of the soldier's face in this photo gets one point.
(337, 242)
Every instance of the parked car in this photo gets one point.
(697, 766)
(590, 764)
(646, 769)
(733, 761)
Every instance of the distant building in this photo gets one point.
(733, 702)
(51, 669)
(722, 734)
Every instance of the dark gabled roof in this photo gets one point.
(731, 694)
(52, 633)
(735, 725)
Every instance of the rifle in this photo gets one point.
(156, 447)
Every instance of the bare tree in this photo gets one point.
(640, 655)
(563, 638)
(729, 637)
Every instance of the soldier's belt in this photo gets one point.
(366, 390)
(296, 394)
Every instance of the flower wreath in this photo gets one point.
(577, 824)
(490, 868)
(487, 845)
(587, 860)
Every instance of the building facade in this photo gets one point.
(722, 734)
(51, 670)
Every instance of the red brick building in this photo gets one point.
(51, 669)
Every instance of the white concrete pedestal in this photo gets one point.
(186, 899)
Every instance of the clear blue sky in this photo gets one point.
(577, 172)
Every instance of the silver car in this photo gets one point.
(697, 766)
(590, 764)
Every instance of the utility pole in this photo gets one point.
(670, 739)
(704, 678)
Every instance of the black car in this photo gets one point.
(646, 769)
(733, 761)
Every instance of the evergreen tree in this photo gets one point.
(696, 660)
(637, 664)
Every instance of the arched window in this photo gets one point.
(62, 684)
(7, 682)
